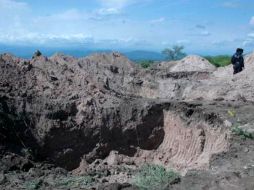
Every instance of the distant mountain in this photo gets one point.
(144, 55)
(27, 52)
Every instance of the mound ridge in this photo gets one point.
(193, 63)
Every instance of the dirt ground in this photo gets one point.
(91, 123)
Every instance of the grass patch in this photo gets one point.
(71, 182)
(145, 63)
(33, 185)
(219, 60)
(236, 130)
(153, 177)
(232, 113)
(74, 182)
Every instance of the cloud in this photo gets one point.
(252, 21)
(13, 15)
(251, 35)
(36, 38)
(200, 26)
(248, 43)
(183, 42)
(68, 15)
(117, 4)
(12, 5)
(108, 11)
(157, 21)
(113, 7)
(230, 4)
(10, 10)
(203, 33)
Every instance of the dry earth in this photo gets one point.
(90, 123)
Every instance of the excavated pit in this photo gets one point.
(188, 138)
(186, 145)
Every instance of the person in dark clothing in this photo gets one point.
(238, 61)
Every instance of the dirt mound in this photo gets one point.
(193, 63)
(249, 59)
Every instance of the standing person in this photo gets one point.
(238, 61)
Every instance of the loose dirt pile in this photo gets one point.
(193, 63)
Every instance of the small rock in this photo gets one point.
(246, 150)
(227, 123)
(2, 179)
(107, 172)
(53, 78)
(104, 180)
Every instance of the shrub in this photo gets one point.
(74, 182)
(219, 60)
(155, 177)
(242, 133)
(33, 185)
(145, 63)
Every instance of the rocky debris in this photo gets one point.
(101, 117)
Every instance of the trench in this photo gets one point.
(186, 145)
(190, 139)
(175, 135)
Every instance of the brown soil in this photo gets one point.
(65, 122)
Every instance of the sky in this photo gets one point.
(202, 26)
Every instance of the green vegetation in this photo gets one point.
(155, 177)
(75, 182)
(33, 185)
(232, 113)
(69, 182)
(145, 63)
(219, 60)
(236, 130)
(242, 133)
(174, 53)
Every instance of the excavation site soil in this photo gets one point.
(94, 122)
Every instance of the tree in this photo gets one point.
(174, 53)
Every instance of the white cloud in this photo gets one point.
(252, 21)
(200, 26)
(67, 16)
(183, 42)
(248, 43)
(13, 15)
(117, 4)
(36, 38)
(251, 35)
(157, 21)
(230, 4)
(113, 7)
(12, 5)
(108, 11)
(202, 33)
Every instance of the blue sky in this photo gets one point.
(202, 26)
